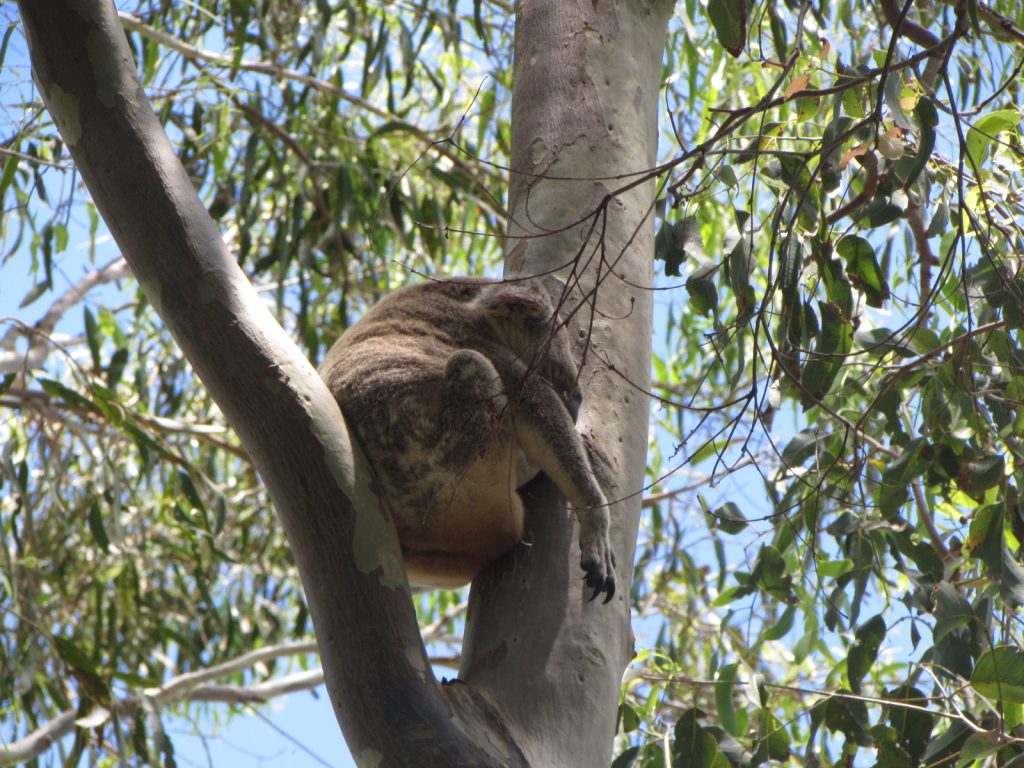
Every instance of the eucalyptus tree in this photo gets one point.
(829, 560)
(570, 656)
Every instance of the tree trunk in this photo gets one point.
(584, 132)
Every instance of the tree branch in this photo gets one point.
(999, 26)
(173, 689)
(376, 668)
(38, 350)
(40, 740)
(177, 689)
(532, 643)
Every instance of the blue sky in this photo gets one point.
(298, 731)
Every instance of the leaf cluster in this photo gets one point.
(842, 218)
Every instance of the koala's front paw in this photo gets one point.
(596, 556)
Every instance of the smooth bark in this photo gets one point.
(584, 139)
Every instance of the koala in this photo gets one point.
(459, 393)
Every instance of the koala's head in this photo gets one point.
(524, 318)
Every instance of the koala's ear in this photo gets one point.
(556, 288)
(519, 305)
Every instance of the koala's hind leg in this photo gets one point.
(473, 407)
(546, 433)
(475, 514)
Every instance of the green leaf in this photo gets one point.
(781, 628)
(890, 755)
(791, 311)
(694, 746)
(946, 745)
(74, 656)
(189, 489)
(834, 568)
(912, 725)
(629, 718)
(848, 716)
(92, 685)
(881, 212)
(391, 126)
(955, 626)
(923, 555)
(986, 541)
(773, 740)
(984, 130)
(732, 593)
(703, 292)
(893, 98)
(978, 747)
(11, 163)
(927, 119)
(115, 369)
(3, 54)
(627, 759)
(725, 700)
(939, 224)
(893, 490)
(37, 290)
(862, 267)
(770, 576)
(57, 390)
(138, 737)
(882, 341)
(676, 242)
(729, 18)
(864, 651)
(825, 362)
(801, 447)
(984, 473)
(729, 518)
(739, 265)
(92, 337)
(803, 189)
(951, 610)
(831, 138)
(99, 532)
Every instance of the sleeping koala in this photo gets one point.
(460, 392)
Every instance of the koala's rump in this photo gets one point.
(466, 519)
(451, 491)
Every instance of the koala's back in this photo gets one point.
(389, 365)
(388, 374)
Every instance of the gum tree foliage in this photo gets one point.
(829, 570)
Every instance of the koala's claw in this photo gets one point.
(601, 585)
(597, 558)
(601, 578)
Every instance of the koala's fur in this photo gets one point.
(459, 392)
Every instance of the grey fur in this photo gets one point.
(459, 392)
